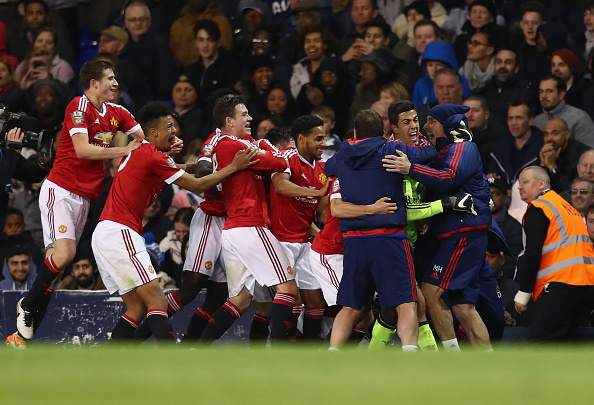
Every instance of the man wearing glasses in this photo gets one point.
(582, 195)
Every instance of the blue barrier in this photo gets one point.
(88, 317)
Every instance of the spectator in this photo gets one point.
(579, 93)
(437, 55)
(252, 14)
(280, 102)
(49, 104)
(11, 95)
(381, 107)
(113, 39)
(507, 86)
(171, 244)
(459, 19)
(84, 274)
(585, 166)
(551, 94)
(191, 117)
(564, 273)
(331, 87)
(306, 13)
(582, 195)
(280, 138)
(155, 221)
(266, 123)
(18, 270)
(332, 140)
(590, 222)
(518, 149)
(589, 33)
(448, 89)
(47, 39)
(393, 91)
(560, 154)
(425, 31)
(13, 61)
(480, 14)
(317, 44)
(480, 62)
(150, 54)
(15, 234)
(533, 63)
(255, 90)
(217, 67)
(182, 36)
(352, 45)
(37, 67)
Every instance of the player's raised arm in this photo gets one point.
(84, 150)
(283, 185)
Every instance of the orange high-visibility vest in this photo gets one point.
(567, 253)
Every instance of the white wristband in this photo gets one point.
(522, 297)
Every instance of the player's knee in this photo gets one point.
(289, 287)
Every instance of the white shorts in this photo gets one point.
(63, 213)
(298, 255)
(328, 271)
(204, 247)
(122, 259)
(263, 294)
(253, 254)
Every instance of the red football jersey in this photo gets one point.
(243, 192)
(329, 241)
(212, 204)
(140, 178)
(83, 176)
(291, 217)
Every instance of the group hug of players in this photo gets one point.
(249, 240)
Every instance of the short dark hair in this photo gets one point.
(26, 4)
(380, 23)
(559, 83)
(368, 124)
(279, 136)
(481, 99)
(398, 107)
(149, 115)
(183, 215)
(588, 5)
(17, 250)
(225, 107)
(85, 254)
(534, 7)
(14, 211)
(519, 102)
(590, 210)
(437, 30)
(304, 125)
(448, 71)
(211, 28)
(491, 35)
(93, 70)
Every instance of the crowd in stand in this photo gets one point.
(523, 67)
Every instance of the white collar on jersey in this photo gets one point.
(103, 107)
(304, 160)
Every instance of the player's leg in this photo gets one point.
(440, 314)
(343, 326)
(384, 328)
(216, 295)
(126, 326)
(426, 338)
(224, 317)
(408, 329)
(156, 304)
(473, 325)
(260, 328)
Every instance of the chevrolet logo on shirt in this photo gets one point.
(114, 123)
(104, 137)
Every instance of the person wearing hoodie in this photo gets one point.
(437, 55)
(363, 180)
(182, 37)
(18, 270)
(330, 87)
(462, 236)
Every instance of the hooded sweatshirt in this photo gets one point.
(439, 51)
(363, 180)
(8, 282)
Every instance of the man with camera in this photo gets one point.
(14, 165)
(90, 123)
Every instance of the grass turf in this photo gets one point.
(148, 374)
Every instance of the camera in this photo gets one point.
(37, 64)
(34, 136)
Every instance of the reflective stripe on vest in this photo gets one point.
(565, 240)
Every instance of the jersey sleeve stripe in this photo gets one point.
(175, 176)
(133, 129)
(78, 130)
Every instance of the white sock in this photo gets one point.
(333, 349)
(410, 348)
(451, 345)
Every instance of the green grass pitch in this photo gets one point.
(104, 374)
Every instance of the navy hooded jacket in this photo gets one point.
(363, 180)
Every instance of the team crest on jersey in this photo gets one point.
(171, 162)
(290, 270)
(208, 265)
(78, 117)
(322, 178)
(335, 186)
(62, 229)
(207, 150)
(114, 123)
(104, 137)
(151, 269)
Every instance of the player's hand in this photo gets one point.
(135, 144)
(176, 146)
(14, 138)
(397, 164)
(323, 191)
(520, 307)
(462, 202)
(243, 159)
(382, 206)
